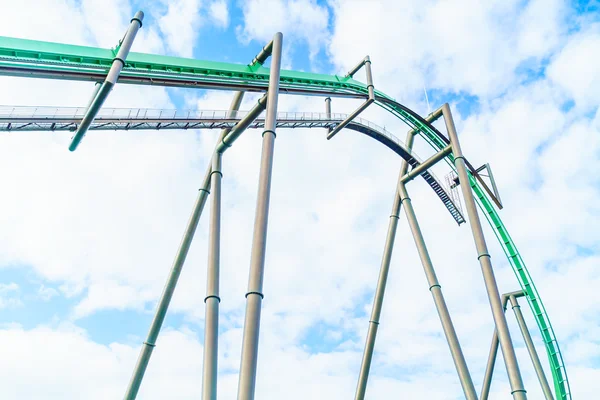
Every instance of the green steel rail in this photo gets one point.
(29, 58)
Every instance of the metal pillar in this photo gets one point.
(366, 62)
(247, 380)
(508, 351)
(328, 111)
(438, 298)
(365, 367)
(163, 304)
(110, 81)
(212, 299)
(425, 165)
(489, 369)
(537, 365)
(165, 299)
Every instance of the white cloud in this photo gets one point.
(574, 68)
(219, 13)
(47, 293)
(457, 45)
(9, 295)
(299, 20)
(180, 25)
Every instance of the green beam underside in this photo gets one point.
(30, 58)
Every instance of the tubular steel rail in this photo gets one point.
(29, 58)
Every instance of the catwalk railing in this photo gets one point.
(23, 118)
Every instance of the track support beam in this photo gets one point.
(100, 94)
(365, 367)
(535, 359)
(510, 359)
(165, 299)
(248, 367)
(213, 299)
(328, 111)
(438, 298)
(366, 62)
(425, 165)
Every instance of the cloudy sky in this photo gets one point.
(87, 238)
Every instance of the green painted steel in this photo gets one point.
(30, 58)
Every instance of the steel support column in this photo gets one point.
(537, 365)
(111, 79)
(489, 369)
(514, 375)
(328, 111)
(212, 299)
(366, 62)
(248, 365)
(425, 165)
(167, 294)
(165, 299)
(365, 367)
(438, 298)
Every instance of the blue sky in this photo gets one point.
(86, 239)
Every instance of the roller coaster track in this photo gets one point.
(28, 58)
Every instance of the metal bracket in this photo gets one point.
(493, 192)
(366, 62)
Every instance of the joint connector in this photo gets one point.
(139, 16)
(216, 172)
(433, 286)
(212, 296)
(374, 322)
(483, 255)
(204, 190)
(225, 143)
(268, 130)
(136, 19)
(149, 344)
(119, 59)
(258, 293)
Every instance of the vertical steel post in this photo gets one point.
(537, 365)
(247, 379)
(508, 351)
(328, 111)
(438, 298)
(365, 366)
(165, 299)
(212, 299)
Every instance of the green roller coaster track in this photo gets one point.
(29, 58)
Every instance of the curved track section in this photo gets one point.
(28, 58)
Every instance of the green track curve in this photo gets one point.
(30, 58)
